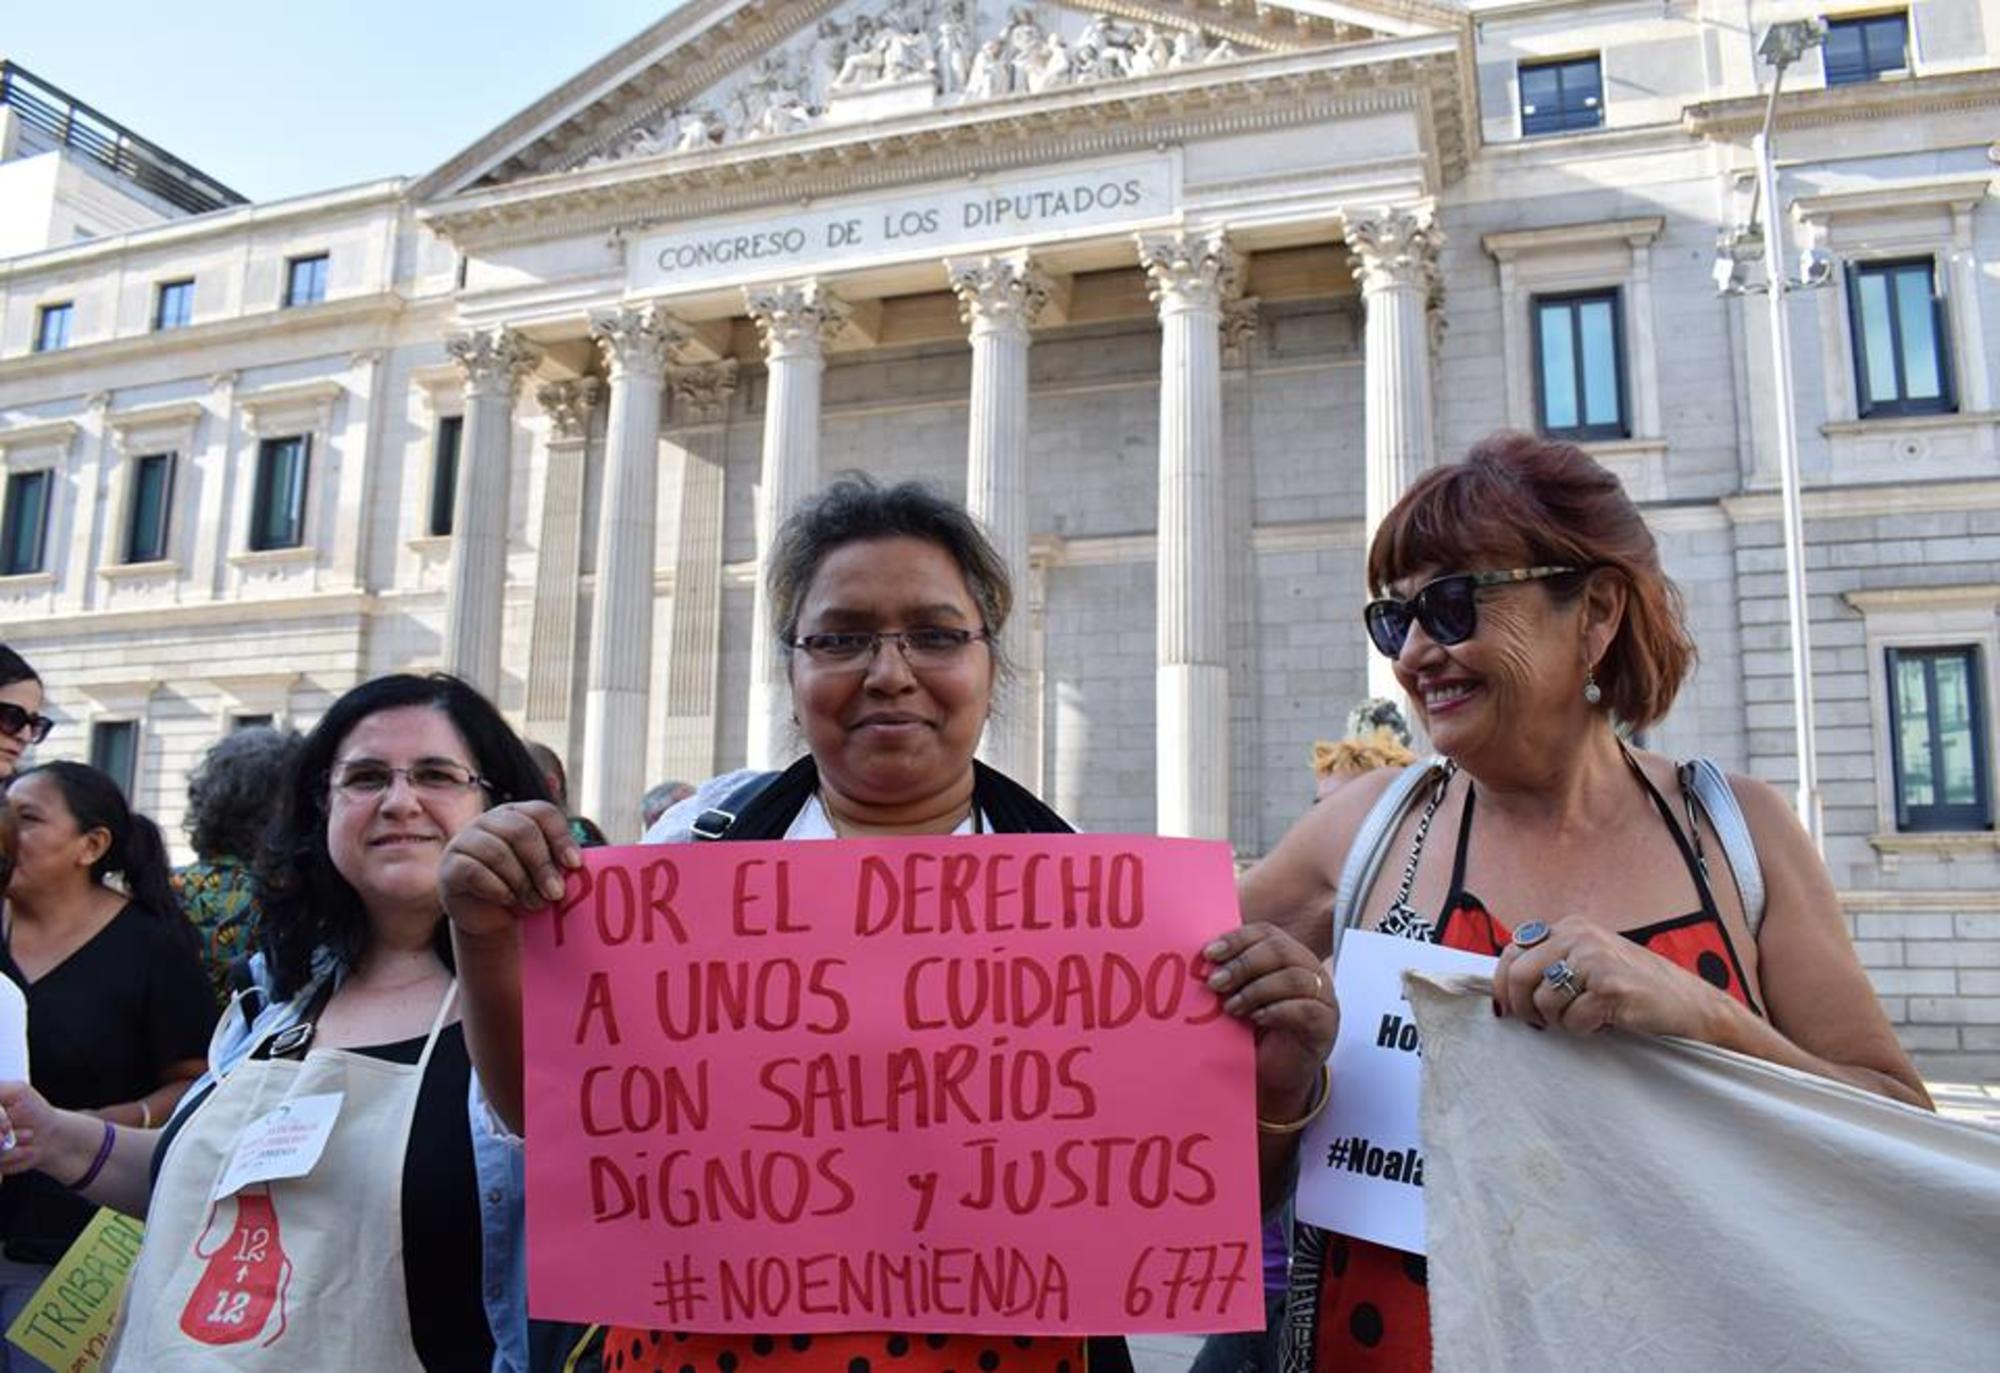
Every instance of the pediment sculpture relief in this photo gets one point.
(921, 54)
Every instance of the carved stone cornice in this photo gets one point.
(1190, 270)
(795, 318)
(1002, 294)
(493, 360)
(1738, 117)
(568, 405)
(1239, 330)
(701, 394)
(638, 340)
(1395, 248)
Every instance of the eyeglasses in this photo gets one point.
(854, 649)
(1447, 608)
(364, 780)
(18, 720)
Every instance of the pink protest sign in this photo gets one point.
(945, 1085)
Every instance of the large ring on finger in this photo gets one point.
(1561, 976)
(1319, 983)
(1531, 934)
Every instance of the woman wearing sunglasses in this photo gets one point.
(22, 723)
(1521, 597)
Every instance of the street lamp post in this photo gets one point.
(1783, 44)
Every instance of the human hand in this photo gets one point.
(32, 1134)
(509, 860)
(1273, 982)
(1583, 978)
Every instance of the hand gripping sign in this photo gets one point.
(968, 1084)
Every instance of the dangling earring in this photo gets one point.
(1592, 693)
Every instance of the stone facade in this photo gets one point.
(1181, 328)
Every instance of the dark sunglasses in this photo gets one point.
(14, 719)
(1447, 608)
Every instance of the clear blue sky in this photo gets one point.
(278, 97)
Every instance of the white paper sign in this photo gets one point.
(1361, 1164)
(13, 1032)
(283, 1143)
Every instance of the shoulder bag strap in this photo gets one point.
(1703, 782)
(1371, 843)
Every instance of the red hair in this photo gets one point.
(1522, 501)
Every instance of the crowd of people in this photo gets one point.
(350, 928)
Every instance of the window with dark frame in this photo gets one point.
(114, 751)
(444, 475)
(173, 306)
(253, 720)
(1562, 96)
(1866, 47)
(305, 280)
(148, 507)
(52, 326)
(1901, 356)
(278, 500)
(24, 522)
(1580, 365)
(1938, 739)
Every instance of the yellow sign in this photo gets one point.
(67, 1323)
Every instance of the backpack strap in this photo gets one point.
(1371, 842)
(716, 822)
(1704, 784)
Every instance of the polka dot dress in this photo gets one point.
(655, 1351)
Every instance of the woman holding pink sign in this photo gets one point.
(891, 604)
(1522, 600)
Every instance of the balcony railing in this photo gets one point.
(69, 123)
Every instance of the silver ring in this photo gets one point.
(1531, 934)
(1560, 975)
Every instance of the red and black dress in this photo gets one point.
(1360, 1307)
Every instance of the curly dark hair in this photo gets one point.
(229, 795)
(308, 906)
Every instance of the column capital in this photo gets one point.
(493, 361)
(1395, 248)
(701, 394)
(1000, 294)
(637, 340)
(568, 405)
(1239, 330)
(795, 318)
(1193, 269)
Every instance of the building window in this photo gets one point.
(24, 522)
(252, 721)
(305, 280)
(52, 327)
(278, 502)
(1863, 49)
(114, 751)
(1580, 366)
(147, 505)
(174, 307)
(1561, 97)
(444, 474)
(1938, 739)
(1899, 338)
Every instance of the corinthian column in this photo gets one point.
(552, 636)
(797, 321)
(1395, 256)
(494, 362)
(1193, 275)
(701, 408)
(635, 344)
(999, 298)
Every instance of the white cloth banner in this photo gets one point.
(1629, 1203)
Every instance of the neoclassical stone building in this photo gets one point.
(1178, 296)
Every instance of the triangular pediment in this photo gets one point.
(720, 73)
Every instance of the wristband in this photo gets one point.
(1312, 1114)
(97, 1164)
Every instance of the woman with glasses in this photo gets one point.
(22, 724)
(377, 1221)
(891, 604)
(1521, 598)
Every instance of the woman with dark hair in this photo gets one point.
(229, 804)
(890, 603)
(118, 1011)
(22, 723)
(1521, 598)
(399, 1248)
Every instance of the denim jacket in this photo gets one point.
(497, 1159)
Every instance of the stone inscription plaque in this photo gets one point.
(925, 221)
